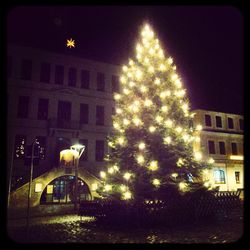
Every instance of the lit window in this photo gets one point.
(20, 142)
(41, 140)
(237, 177)
(219, 177)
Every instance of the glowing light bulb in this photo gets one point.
(174, 175)
(162, 67)
(185, 107)
(206, 184)
(152, 129)
(153, 165)
(156, 182)
(117, 96)
(138, 56)
(103, 174)
(198, 127)
(107, 187)
(116, 125)
(164, 109)
(197, 139)
(127, 175)
(121, 140)
(138, 74)
(136, 121)
(205, 171)
(131, 62)
(131, 84)
(126, 91)
(111, 170)
(115, 167)
(157, 46)
(167, 140)
(139, 48)
(182, 186)
(158, 119)
(143, 89)
(157, 81)
(122, 79)
(170, 60)
(118, 111)
(123, 187)
(142, 146)
(148, 103)
(180, 162)
(127, 195)
(129, 74)
(168, 123)
(161, 54)
(125, 68)
(174, 77)
(210, 160)
(140, 159)
(126, 121)
(178, 129)
(151, 69)
(198, 156)
(178, 83)
(185, 137)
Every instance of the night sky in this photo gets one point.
(205, 42)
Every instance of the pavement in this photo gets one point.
(72, 229)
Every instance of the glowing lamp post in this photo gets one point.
(79, 149)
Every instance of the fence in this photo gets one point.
(176, 211)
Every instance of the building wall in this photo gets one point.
(228, 136)
(34, 89)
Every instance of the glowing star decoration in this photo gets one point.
(70, 43)
(156, 182)
(127, 176)
(103, 174)
(140, 159)
(153, 165)
(142, 146)
(127, 195)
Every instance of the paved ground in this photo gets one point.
(69, 228)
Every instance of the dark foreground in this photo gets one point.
(69, 228)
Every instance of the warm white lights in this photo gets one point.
(142, 146)
(152, 129)
(103, 174)
(140, 159)
(156, 182)
(198, 127)
(198, 156)
(153, 165)
(127, 195)
(127, 175)
(167, 140)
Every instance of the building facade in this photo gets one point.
(59, 100)
(221, 138)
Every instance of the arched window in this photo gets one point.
(62, 191)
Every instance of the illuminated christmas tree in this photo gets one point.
(152, 146)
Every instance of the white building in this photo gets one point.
(222, 139)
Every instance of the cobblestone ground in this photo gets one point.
(69, 228)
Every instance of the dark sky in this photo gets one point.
(205, 42)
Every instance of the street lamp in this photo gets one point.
(79, 149)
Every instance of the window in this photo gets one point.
(43, 107)
(234, 148)
(84, 156)
(99, 150)
(59, 74)
(72, 77)
(218, 121)
(9, 66)
(84, 113)
(222, 147)
(230, 122)
(100, 82)
(237, 177)
(41, 140)
(23, 107)
(208, 120)
(219, 177)
(45, 72)
(26, 69)
(99, 115)
(241, 124)
(85, 79)
(61, 190)
(64, 114)
(115, 84)
(211, 147)
(20, 142)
